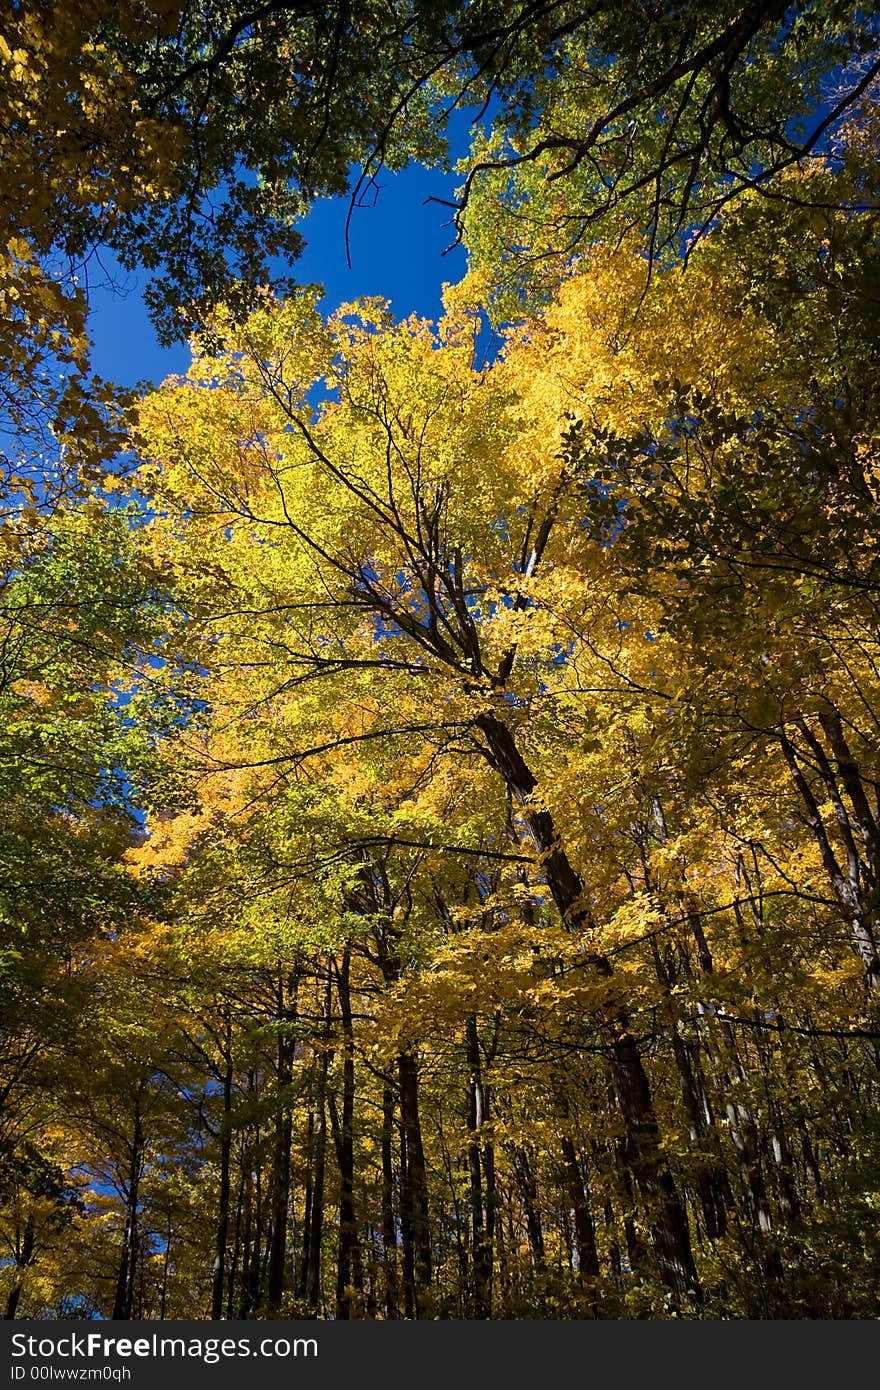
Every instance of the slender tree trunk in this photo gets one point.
(275, 1273)
(23, 1255)
(416, 1186)
(315, 1228)
(389, 1232)
(123, 1303)
(219, 1273)
(245, 1303)
(614, 1257)
(490, 1200)
(406, 1238)
(712, 1183)
(710, 1178)
(636, 1253)
(733, 1081)
(166, 1268)
(253, 1264)
(316, 1223)
(584, 1226)
(302, 1271)
(349, 1273)
(528, 1196)
(236, 1239)
(481, 1249)
(847, 885)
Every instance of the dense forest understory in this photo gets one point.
(440, 802)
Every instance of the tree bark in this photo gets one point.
(349, 1273)
(528, 1195)
(275, 1273)
(316, 1221)
(584, 1226)
(846, 885)
(222, 1232)
(481, 1248)
(389, 1230)
(415, 1184)
(124, 1300)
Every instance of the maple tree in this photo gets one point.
(440, 828)
(479, 726)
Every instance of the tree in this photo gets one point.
(82, 608)
(514, 588)
(465, 772)
(400, 547)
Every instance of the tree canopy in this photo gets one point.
(439, 820)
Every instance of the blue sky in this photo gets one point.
(397, 251)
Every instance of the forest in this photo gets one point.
(440, 800)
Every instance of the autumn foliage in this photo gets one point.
(440, 832)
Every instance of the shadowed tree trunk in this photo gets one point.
(219, 1272)
(528, 1196)
(481, 1236)
(389, 1231)
(24, 1253)
(584, 1226)
(275, 1272)
(315, 1215)
(123, 1303)
(349, 1272)
(414, 1196)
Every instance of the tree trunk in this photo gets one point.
(584, 1226)
(710, 1177)
(316, 1222)
(23, 1255)
(349, 1273)
(528, 1195)
(667, 1222)
(847, 885)
(481, 1249)
(275, 1272)
(236, 1237)
(389, 1230)
(166, 1269)
(124, 1301)
(219, 1273)
(415, 1186)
